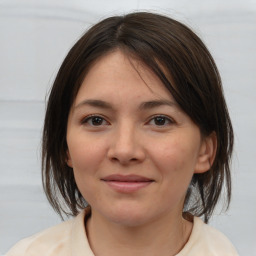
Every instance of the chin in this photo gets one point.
(130, 216)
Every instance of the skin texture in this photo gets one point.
(131, 137)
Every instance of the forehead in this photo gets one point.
(116, 75)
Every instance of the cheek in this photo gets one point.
(86, 159)
(85, 154)
(174, 164)
(175, 157)
(168, 155)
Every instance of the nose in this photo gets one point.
(126, 146)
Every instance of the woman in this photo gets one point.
(136, 144)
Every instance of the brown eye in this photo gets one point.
(95, 121)
(160, 121)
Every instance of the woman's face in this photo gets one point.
(132, 149)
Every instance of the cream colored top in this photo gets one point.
(69, 239)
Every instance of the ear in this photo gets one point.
(206, 154)
(69, 160)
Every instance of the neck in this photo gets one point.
(164, 236)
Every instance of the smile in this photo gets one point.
(127, 183)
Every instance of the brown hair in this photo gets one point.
(169, 49)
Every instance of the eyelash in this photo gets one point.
(89, 118)
(166, 118)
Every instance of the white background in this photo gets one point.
(34, 38)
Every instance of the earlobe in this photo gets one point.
(206, 154)
(68, 160)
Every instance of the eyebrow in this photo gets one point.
(157, 103)
(143, 106)
(95, 103)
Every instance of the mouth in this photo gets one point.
(127, 183)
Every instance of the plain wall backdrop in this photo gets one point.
(35, 36)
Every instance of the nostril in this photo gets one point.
(125, 152)
(116, 159)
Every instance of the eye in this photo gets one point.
(160, 120)
(94, 120)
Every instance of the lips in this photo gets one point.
(127, 183)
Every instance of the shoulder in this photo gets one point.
(52, 241)
(206, 240)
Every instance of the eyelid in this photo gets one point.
(168, 118)
(85, 119)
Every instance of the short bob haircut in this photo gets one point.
(171, 50)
